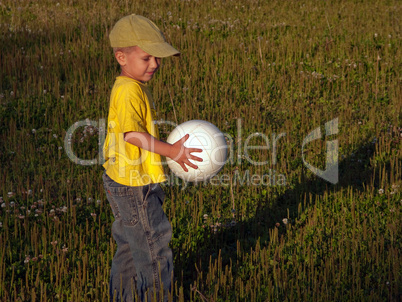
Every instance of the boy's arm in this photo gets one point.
(178, 152)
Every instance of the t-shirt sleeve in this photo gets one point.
(132, 110)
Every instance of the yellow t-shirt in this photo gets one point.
(130, 110)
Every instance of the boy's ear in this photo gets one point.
(120, 57)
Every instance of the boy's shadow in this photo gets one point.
(355, 171)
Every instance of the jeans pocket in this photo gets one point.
(113, 206)
(123, 201)
(126, 208)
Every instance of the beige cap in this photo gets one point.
(135, 30)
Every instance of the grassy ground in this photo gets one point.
(280, 69)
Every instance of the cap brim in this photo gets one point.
(160, 50)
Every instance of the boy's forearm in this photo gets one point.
(147, 142)
(177, 151)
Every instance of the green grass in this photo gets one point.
(278, 67)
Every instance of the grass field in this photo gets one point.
(264, 72)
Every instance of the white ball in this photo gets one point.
(205, 136)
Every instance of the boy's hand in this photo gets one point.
(182, 154)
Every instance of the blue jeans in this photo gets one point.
(142, 267)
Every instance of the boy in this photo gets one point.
(143, 263)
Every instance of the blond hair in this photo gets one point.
(127, 49)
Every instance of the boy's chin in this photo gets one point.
(148, 78)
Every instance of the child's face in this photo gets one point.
(138, 64)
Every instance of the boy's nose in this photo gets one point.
(155, 63)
